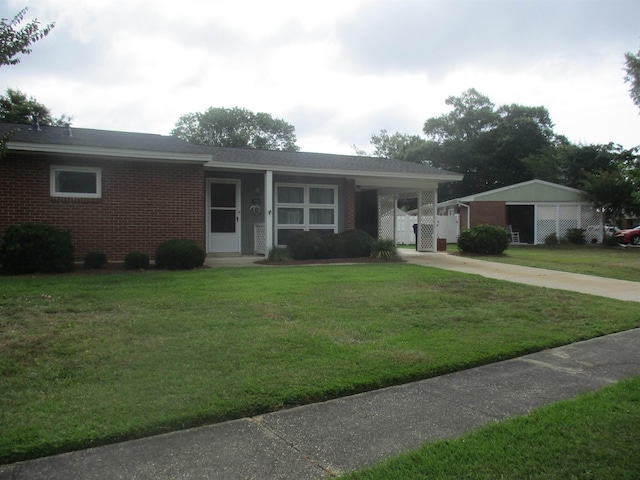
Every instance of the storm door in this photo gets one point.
(223, 216)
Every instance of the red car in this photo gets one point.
(630, 235)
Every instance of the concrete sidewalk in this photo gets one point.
(603, 287)
(326, 439)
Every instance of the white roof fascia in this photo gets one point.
(344, 173)
(110, 152)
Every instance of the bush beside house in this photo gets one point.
(179, 254)
(36, 248)
(486, 239)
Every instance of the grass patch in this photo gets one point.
(89, 359)
(610, 262)
(596, 436)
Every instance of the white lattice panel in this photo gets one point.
(589, 216)
(427, 221)
(259, 239)
(386, 217)
(568, 218)
(545, 222)
(559, 219)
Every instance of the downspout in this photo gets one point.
(460, 204)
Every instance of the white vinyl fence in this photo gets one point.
(446, 227)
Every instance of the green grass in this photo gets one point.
(93, 358)
(596, 436)
(610, 262)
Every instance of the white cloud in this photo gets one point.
(338, 71)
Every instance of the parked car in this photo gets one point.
(630, 235)
(610, 230)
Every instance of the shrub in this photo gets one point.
(279, 254)
(95, 260)
(36, 248)
(384, 249)
(136, 261)
(337, 245)
(551, 239)
(483, 239)
(358, 243)
(179, 254)
(576, 236)
(307, 245)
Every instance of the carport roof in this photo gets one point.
(367, 171)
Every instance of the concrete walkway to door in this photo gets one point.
(600, 286)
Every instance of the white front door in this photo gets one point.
(223, 216)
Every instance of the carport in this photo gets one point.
(534, 209)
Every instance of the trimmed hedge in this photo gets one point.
(313, 246)
(36, 248)
(358, 243)
(179, 254)
(487, 239)
(136, 261)
(307, 246)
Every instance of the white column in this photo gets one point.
(435, 219)
(268, 210)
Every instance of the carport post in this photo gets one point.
(268, 210)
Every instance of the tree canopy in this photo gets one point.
(411, 148)
(495, 146)
(16, 107)
(15, 41)
(492, 146)
(633, 76)
(236, 127)
(614, 191)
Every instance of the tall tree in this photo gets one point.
(236, 127)
(612, 192)
(15, 41)
(492, 147)
(411, 148)
(16, 107)
(473, 113)
(633, 76)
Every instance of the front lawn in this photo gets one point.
(87, 359)
(610, 262)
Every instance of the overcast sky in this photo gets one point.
(338, 71)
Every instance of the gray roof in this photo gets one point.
(323, 161)
(101, 139)
(167, 148)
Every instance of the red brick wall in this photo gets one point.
(142, 204)
(487, 213)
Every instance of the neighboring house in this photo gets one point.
(533, 210)
(119, 192)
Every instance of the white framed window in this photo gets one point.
(78, 182)
(305, 208)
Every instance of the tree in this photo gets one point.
(472, 114)
(236, 127)
(492, 147)
(612, 193)
(16, 107)
(633, 76)
(14, 41)
(400, 146)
